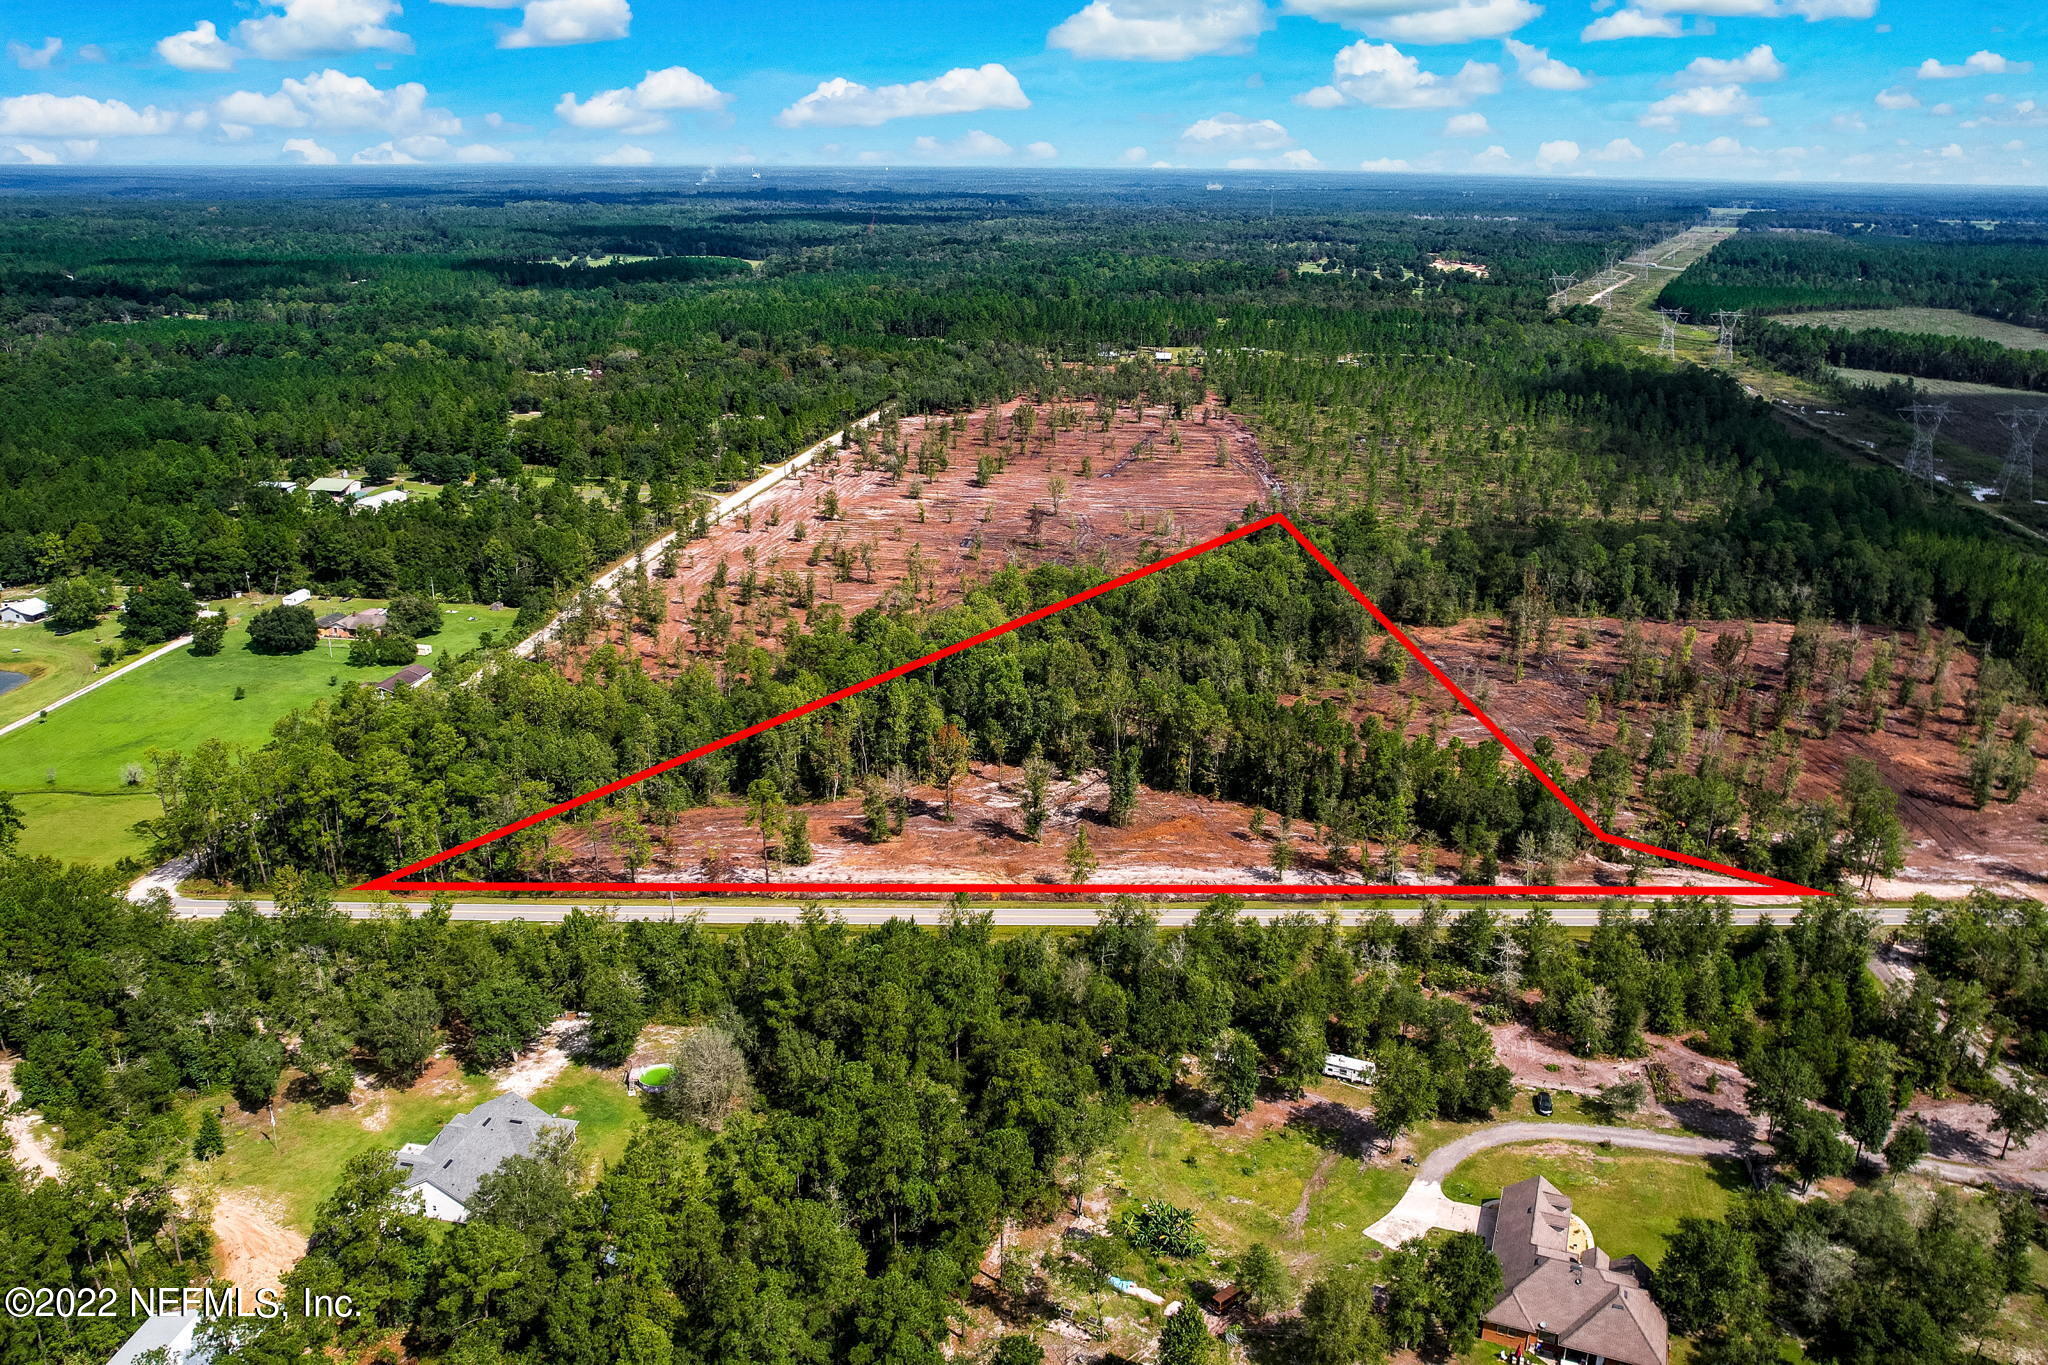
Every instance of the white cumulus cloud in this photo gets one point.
(1384, 163)
(1538, 68)
(1976, 64)
(1384, 77)
(308, 152)
(45, 115)
(35, 58)
(1234, 133)
(1299, 159)
(627, 155)
(305, 28)
(1620, 149)
(1703, 101)
(563, 23)
(1631, 23)
(1422, 21)
(1041, 151)
(199, 48)
(1897, 98)
(1160, 30)
(334, 99)
(1755, 66)
(1466, 125)
(840, 103)
(29, 154)
(641, 108)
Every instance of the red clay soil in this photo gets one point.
(1952, 844)
(1144, 488)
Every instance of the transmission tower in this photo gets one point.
(2017, 479)
(1667, 330)
(1560, 283)
(1724, 344)
(1927, 419)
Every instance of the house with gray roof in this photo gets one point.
(446, 1171)
(1561, 1295)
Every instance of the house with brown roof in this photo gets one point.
(1562, 1297)
(412, 675)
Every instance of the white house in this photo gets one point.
(370, 502)
(26, 610)
(444, 1173)
(171, 1333)
(336, 486)
(296, 599)
(1357, 1070)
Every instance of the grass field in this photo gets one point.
(297, 1164)
(79, 828)
(1945, 322)
(55, 664)
(1632, 1200)
(177, 703)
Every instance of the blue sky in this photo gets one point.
(1862, 90)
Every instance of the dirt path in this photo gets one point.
(1297, 1220)
(30, 1150)
(255, 1248)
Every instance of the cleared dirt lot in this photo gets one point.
(922, 513)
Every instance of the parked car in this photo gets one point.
(1543, 1104)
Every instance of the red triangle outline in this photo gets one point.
(1758, 883)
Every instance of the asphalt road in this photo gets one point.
(1174, 913)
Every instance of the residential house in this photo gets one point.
(1562, 1297)
(446, 1172)
(1357, 1070)
(412, 675)
(346, 625)
(28, 609)
(338, 487)
(171, 1336)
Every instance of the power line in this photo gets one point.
(1927, 419)
(2016, 480)
(1724, 343)
(1667, 330)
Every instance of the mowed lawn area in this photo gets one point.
(1631, 1199)
(298, 1163)
(85, 749)
(55, 665)
(1946, 322)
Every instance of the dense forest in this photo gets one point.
(1797, 271)
(894, 1094)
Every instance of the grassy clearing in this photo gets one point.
(55, 664)
(75, 828)
(85, 750)
(297, 1164)
(1245, 1188)
(1631, 1200)
(606, 1115)
(1946, 322)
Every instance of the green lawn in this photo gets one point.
(606, 1115)
(1945, 322)
(75, 828)
(178, 702)
(297, 1164)
(1632, 1200)
(1245, 1189)
(55, 664)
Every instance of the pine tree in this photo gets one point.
(1123, 788)
(1080, 857)
(796, 839)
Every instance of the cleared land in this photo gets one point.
(1080, 485)
(1946, 322)
(85, 750)
(54, 664)
(1632, 1200)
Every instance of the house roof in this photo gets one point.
(473, 1145)
(1583, 1301)
(412, 675)
(164, 1332)
(339, 483)
(28, 606)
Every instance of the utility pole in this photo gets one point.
(1667, 330)
(1724, 344)
(1927, 419)
(2016, 480)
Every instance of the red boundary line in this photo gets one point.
(1760, 885)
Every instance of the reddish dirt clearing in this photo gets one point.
(1147, 486)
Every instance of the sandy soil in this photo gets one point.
(24, 1131)
(1172, 839)
(256, 1249)
(1953, 845)
(1126, 496)
(535, 1070)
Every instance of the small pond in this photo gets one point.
(10, 680)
